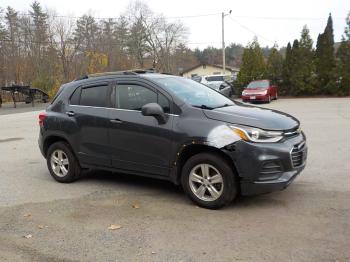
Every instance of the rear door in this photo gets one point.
(89, 108)
(139, 143)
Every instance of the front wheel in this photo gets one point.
(209, 181)
(62, 163)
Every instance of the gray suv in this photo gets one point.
(170, 128)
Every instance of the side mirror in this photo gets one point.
(155, 110)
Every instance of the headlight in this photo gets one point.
(244, 93)
(263, 92)
(252, 134)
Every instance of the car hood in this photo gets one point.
(254, 116)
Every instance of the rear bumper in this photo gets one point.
(267, 167)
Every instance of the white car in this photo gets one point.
(218, 83)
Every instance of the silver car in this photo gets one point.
(222, 87)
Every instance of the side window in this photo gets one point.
(94, 96)
(74, 99)
(133, 97)
(164, 103)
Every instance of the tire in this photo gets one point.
(68, 168)
(226, 190)
(269, 100)
(276, 96)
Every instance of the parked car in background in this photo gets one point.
(260, 90)
(220, 83)
(171, 128)
(224, 88)
(197, 78)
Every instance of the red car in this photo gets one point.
(260, 90)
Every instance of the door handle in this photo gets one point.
(70, 113)
(116, 121)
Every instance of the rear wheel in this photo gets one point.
(209, 181)
(62, 163)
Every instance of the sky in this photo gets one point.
(272, 21)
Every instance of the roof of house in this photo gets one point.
(229, 68)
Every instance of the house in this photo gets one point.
(209, 69)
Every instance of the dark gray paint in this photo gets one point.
(127, 141)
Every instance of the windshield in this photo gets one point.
(214, 78)
(194, 93)
(258, 84)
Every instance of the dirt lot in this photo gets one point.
(309, 221)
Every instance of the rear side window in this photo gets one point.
(94, 96)
(74, 99)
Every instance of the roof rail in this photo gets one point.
(126, 72)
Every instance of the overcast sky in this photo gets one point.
(271, 20)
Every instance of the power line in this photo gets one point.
(115, 18)
(250, 30)
(194, 16)
(287, 18)
(53, 42)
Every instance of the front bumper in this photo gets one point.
(255, 97)
(267, 167)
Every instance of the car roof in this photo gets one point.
(125, 74)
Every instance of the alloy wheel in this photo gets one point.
(206, 182)
(59, 163)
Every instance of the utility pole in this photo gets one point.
(223, 43)
(223, 40)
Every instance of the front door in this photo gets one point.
(139, 143)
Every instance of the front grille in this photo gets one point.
(298, 154)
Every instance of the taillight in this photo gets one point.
(42, 117)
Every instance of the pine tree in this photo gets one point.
(253, 64)
(274, 65)
(343, 63)
(295, 68)
(287, 71)
(325, 60)
(306, 64)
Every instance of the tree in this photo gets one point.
(297, 75)
(325, 60)
(306, 66)
(253, 65)
(274, 65)
(66, 47)
(287, 71)
(343, 61)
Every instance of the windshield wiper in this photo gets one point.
(225, 105)
(203, 107)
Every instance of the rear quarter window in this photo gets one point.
(75, 98)
(94, 96)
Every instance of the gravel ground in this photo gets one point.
(309, 221)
